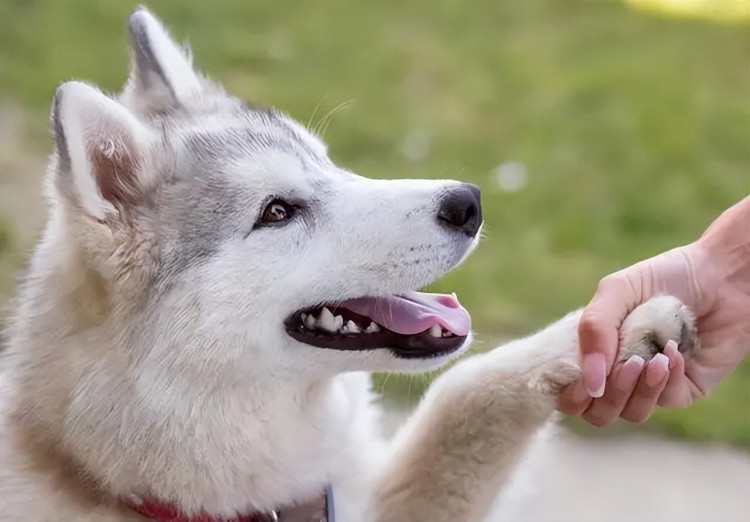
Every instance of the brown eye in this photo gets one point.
(275, 212)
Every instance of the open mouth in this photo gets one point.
(411, 325)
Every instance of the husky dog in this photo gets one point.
(194, 336)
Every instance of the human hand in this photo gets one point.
(712, 277)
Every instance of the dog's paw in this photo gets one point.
(660, 319)
(553, 376)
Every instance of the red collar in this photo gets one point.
(317, 510)
(166, 512)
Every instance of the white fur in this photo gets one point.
(175, 65)
(93, 121)
(122, 381)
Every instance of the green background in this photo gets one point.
(633, 130)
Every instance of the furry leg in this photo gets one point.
(462, 445)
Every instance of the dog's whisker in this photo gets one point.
(325, 122)
(315, 110)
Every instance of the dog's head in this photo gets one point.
(223, 235)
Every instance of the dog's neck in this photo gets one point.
(235, 460)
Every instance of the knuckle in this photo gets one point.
(571, 407)
(636, 415)
(564, 404)
(670, 400)
(589, 322)
(597, 419)
(622, 389)
(610, 283)
(606, 281)
(645, 392)
(592, 325)
(634, 419)
(566, 408)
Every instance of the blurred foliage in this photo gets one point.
(620, 134)
(730, 11)
(6, 264)
(725, 416)
(4, 238)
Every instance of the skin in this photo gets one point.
(712, 277)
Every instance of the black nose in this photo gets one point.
(461, 209)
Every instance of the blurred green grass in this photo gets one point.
(634, 131)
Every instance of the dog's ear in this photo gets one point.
(100, 149)
(161, 72)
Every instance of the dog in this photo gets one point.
(194, 337)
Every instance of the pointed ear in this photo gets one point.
(100, 150)
(161, 72)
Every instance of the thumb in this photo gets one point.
(599, 330)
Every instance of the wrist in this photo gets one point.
(724, 249)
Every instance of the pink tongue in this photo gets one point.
(414, 312)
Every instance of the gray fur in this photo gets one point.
(61, 146)
(147, 72)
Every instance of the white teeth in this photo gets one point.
(446, 333)
(373, 328)
(326, 321)
(351, 327)
(310, 322)
(436, 331)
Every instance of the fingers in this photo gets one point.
(594, 368)
(633, 391)
(652, 381)
(678, 392)
(574, 399)
(620, 386)
(598, 329)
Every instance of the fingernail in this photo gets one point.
(595, 394)
(671, 351)
(629, 373)
(657, 369)
(635, 360)
(594, 374)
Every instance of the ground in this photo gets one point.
(639, 478)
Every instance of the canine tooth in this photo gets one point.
(326, 321)
(352, 327)
(373, 328)
(303, 315)
(338, 322)
(435, 331)
(310, 322)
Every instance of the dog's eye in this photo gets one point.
(276, 212)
